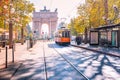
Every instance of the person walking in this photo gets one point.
(31, 42)
(78, 40)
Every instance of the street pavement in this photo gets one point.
(24, 56)
(33, 67)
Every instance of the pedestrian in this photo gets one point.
(78, 40)
(31, 43)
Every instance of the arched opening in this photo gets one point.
(45, 31)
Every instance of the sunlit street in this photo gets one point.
(59, 40)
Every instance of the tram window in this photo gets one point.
(63, 34)
(66, 34)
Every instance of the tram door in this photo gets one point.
(114, 39)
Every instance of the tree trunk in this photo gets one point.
(86, 40)
(10, 34)
(106, 11)
(22, 36)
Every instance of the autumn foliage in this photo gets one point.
(92, 14)
(21, 15)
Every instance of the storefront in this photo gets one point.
(106, 36)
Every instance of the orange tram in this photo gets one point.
(62, 36)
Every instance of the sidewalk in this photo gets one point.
(17, 54)
(103, 50)
(7, 73)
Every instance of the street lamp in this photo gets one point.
(11, 11)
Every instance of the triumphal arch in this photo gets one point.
(44, 17)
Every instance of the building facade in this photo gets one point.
(44, 17)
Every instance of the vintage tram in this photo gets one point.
(62, 36)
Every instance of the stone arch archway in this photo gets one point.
(47, 17)
(45, 28)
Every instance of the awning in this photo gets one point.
(107, 27)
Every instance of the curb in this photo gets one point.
(102, 52)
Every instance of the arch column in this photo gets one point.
(50, 26)
(39, 29)
(53, 28)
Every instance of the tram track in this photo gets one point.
(45, 64)
(72, 65)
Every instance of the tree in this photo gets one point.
(95, 13)
(23, 11)
(20, 17)
(72, 28)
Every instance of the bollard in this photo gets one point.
(12, 53)
(27, 45)
(14, 46)
(6, 60)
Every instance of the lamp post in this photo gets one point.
(11, 11)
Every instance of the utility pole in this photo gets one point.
(106, 10)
